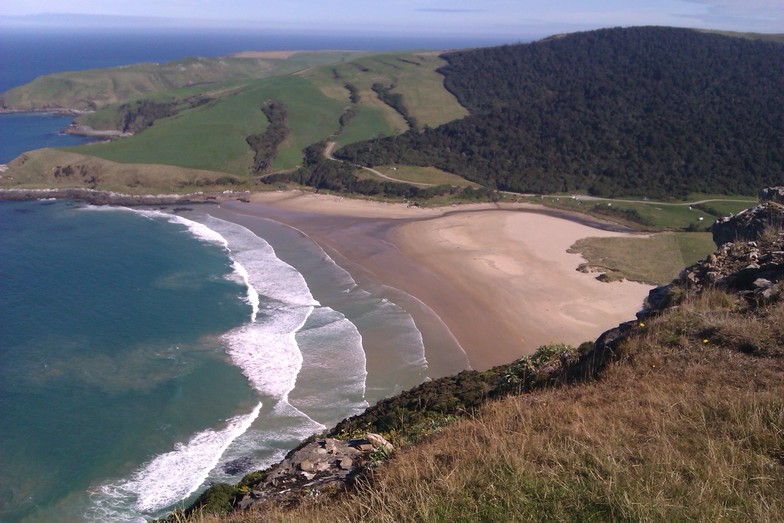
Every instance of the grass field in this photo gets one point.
(423, 175)
(369, 122)
(659, 215)
(98, 88)
(415, 78)
(212, 137)
(312, 117)
(654, 260)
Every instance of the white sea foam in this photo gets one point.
(267, 351)
(307, 357)
(334, 361)
(169, 477)
(266, 348)
(199, 230)
(253, 295)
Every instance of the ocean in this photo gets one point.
(146, 355)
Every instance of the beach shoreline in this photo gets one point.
(486, 282)
(498, 278)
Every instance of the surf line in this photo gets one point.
(169, 477)
(265, 349)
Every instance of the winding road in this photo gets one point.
(330, 148)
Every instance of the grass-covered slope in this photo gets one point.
(95, 89)
(678, 429)
(207, 113)
(640, 111)
(53, 169)
(413, 77)
(213, 136)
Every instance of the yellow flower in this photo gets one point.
(642, 324)
(705, 340)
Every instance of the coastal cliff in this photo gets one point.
(669, 416)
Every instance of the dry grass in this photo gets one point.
(655, 259)
(678, 429)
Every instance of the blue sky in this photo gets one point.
(417, 17)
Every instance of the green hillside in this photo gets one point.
(213, 136)
(211, 126)
(95, 89)
(651, 111)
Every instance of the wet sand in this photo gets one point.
(487, 281)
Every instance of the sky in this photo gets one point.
(493, 18)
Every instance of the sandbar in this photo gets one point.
(499, 277)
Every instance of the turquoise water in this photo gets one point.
(107, 352)
(144, 356)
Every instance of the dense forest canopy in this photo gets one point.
(640, 111)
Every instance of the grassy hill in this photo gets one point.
(99, 88)
(200, 113)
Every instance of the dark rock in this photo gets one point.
(751, 224)
(324, 465)
(772, 194)
(238, 466)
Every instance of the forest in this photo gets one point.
(645, 111)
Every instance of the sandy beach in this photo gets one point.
(498, 277)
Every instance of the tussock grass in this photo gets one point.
(657, 259)
(686, 424)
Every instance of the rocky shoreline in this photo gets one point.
(84, 130)
(96, 197)
(74, 128)
(60, 111)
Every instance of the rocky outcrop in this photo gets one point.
(96, 197)
(772, 194)
(750, 224)
(754, 269)
(749, 261)
(324, 466)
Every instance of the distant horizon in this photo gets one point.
(492, 19)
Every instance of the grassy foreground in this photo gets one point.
(686, 425)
